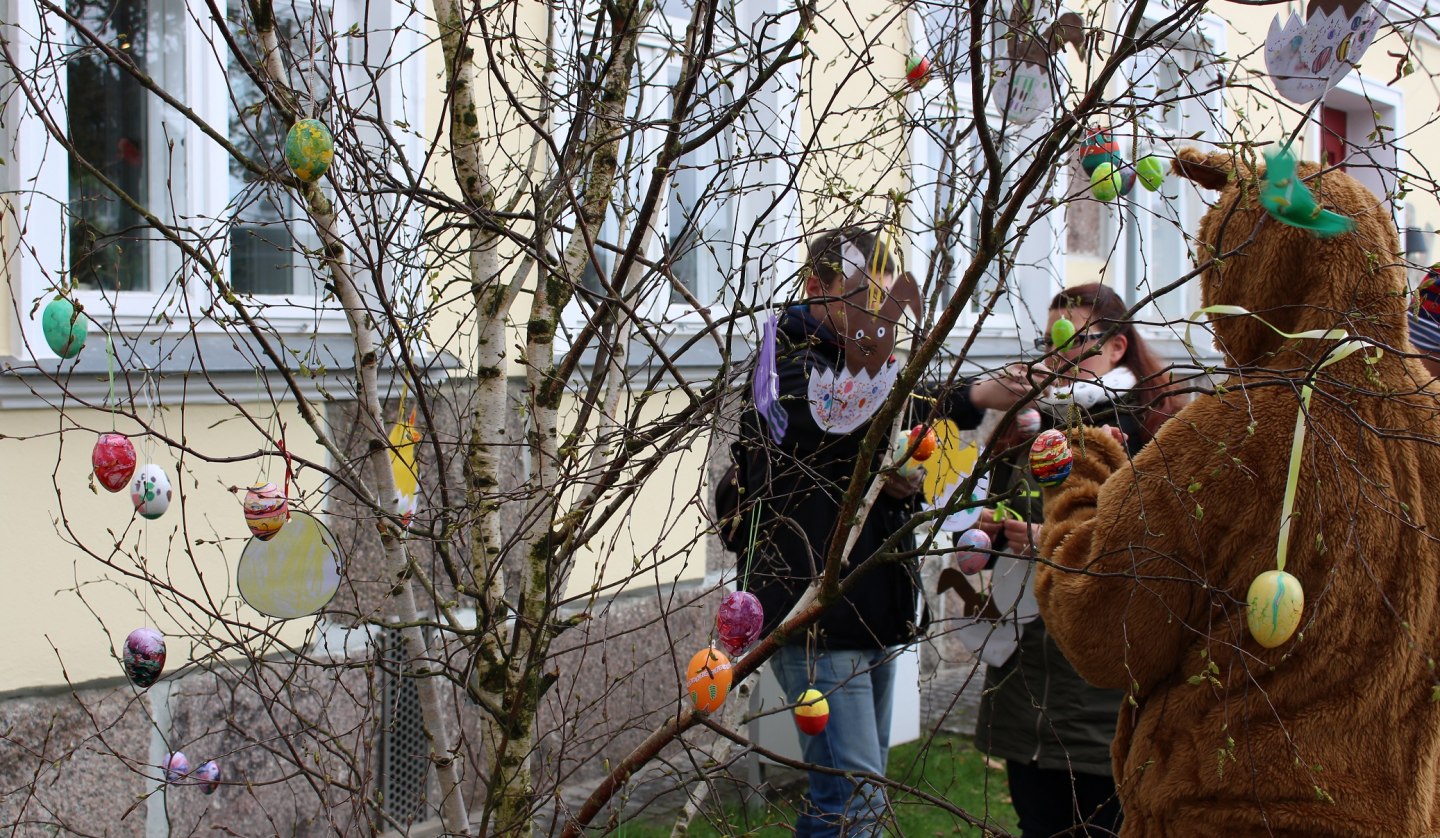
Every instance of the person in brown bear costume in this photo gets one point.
(1337, 731)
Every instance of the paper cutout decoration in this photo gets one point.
(1027, 88)
(844, 399)
(765, 387)
(403, 437)
(309, 149)
(994, 614)
(738, 621)
(294, 574)
(208, 776)
(953, 461)
(113, 460)
(64, 326)
(150, 491)
(1307, 58)
(1289, 201)
(144, 656)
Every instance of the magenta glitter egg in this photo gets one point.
(176, 767)
(1027, 421)
(144, 656)
(208, 776)
(114, 461)
(739, 620)
(970, 547)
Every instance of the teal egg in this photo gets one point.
(309, 148)
(1151, 173)
(65, 327)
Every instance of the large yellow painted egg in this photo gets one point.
(708, 679)
(1273, 607)
(309, 148)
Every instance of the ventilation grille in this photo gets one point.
(404, 769)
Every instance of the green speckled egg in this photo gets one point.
(1151, 172)
(64, 327)
(309, 148)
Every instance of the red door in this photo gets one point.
(1332, 136)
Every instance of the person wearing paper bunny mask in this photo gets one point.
(833, 365)
(1051, 727)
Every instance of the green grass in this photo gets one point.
(947, 767)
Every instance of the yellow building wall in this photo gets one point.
(72, 594)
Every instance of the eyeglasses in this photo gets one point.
(1046, 344)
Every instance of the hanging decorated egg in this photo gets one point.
(972, 551)
(1050, 458)
(1127, 180)
(114, 461)
(917, 72)
(738, 621)
(177, 766)
(64, 327)
(812, 712)
(1273, 607)
(1099, 147)
(1107, 182)
(1027, 421)
(144, 656)
(208, 776)
(1151, 172)
(708, 679)
(309, 148)
(266, 510)
(924, 442)
(1061, 333)
(150, 491)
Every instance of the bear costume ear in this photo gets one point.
(1212, 171)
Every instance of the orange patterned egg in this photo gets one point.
(708, 679)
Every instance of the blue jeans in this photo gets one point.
(859, 686)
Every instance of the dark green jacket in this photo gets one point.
(1035, 707)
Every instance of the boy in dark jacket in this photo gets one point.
(834, 366)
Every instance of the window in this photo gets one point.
(1175, 97)
(265, 242)
(701, 217)
(123, 133)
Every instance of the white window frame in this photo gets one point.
(762, 141)
(1039, 269)
(1133, 246)
(1373, 163)
(37, 198)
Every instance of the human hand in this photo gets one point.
(1116, 434)
(1022, 538)
(988, 525)
(900, 487)
(1006, 388)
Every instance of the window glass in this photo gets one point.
(267, 237)
(701, 222)
(116, 127)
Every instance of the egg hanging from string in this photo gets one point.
(144, 656)
(113, 461)
(708, 679)
(64, 326)
(150, 491)
(972, 551)
(208, 776)
(1274, 604)
(177, 767)
(738, 621)
(812, 712)
(309, 149)
(1050, 458)
(266, 510)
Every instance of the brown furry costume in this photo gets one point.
(1336, 732)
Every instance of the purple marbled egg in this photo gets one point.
(739, 620)
(144, 656)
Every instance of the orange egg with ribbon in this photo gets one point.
(708, 679)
